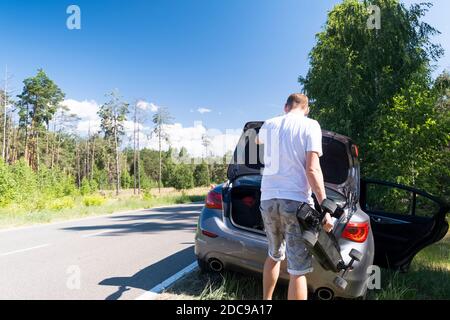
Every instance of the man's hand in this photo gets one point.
(327, 223)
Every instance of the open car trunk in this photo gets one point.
(245, 197)
(339, 166)
(245, 212)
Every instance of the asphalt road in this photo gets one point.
(119, 256)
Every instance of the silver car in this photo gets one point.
(388, 223)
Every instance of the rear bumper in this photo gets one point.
(244, 251)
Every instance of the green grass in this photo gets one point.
(428, 278)
(78, 207)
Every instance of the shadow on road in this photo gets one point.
(152, 275)
(157, 220)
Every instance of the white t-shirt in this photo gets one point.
(286, 140)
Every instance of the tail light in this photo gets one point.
(356, 231)
(209, 234)
(355, 150)
(214, 200)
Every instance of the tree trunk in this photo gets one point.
(8, 139)
(5, 102)
(37, 151)
(160, 162)
(116, 147)
(25, 151)
(138, 161)
(93, 159)
(134, 149)
(78, 165)
(47, 142)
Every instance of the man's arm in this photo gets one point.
(315, 179)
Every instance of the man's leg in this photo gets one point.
(276, 246)
(298, 255)
(270, 277)
(298, 289)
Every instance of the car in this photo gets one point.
(386, 222)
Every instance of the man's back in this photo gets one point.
(287, 139)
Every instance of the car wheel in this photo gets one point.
(203, 266)
(364, 296)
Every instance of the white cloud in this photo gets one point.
(191, 139)
(144, 105)
(180, 136)
(203, 110)
(87, 112)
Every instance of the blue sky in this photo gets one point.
(238, 58)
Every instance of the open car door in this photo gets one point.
(404, 220)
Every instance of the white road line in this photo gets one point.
(153, 293)
(23, 250)
(95, 234)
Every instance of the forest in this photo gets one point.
(45, 158)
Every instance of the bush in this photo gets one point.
(94, 185)
(85, 187)
(183, 177)
(147, 194)
(93, 201)
(25, 186)
(62, 203)
(201, 175)
(6, 184)
(126, 180)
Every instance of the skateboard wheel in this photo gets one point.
(356, 255)
(340, 282)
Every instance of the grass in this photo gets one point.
(98, 204)
(428, 278)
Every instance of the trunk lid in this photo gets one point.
(339, 165)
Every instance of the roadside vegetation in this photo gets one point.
(380, 87)
(99, 203)
(427, 279)
(49, 169)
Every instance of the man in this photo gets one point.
(292, 147)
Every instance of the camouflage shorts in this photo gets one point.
(285, 236)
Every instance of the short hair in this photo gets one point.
(297, 98)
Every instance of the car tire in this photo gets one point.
(364, 296)
(203, 266)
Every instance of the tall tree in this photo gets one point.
(161, 118)
(135, 151)
(64, 124)
(5, 101)
(140, 117)
(38, 103)
(363, 82)
(206, 143)
(113, 115)
(354, 70)
(6, 118)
